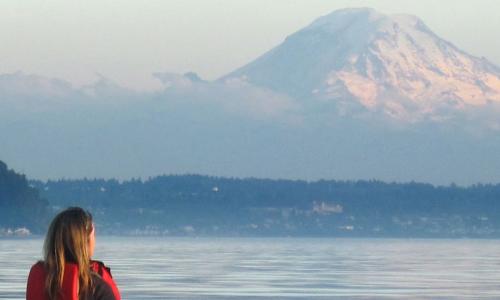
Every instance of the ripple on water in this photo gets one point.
(239, 268)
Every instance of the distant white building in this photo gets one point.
(324, 208)
(23, 231)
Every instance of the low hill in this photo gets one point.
(212, 206)
(20, 204)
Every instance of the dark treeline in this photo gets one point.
(203, 205)
(20, 204)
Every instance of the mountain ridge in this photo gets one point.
(235, 127)
(393, 63)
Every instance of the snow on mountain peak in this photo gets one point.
(389, 63)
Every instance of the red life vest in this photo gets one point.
(36, 281)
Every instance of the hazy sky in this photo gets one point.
(127, 40)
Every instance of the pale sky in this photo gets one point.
(127, 40)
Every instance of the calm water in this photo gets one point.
(189, 268)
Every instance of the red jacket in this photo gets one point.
(36, 281)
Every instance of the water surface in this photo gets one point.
(285, 268)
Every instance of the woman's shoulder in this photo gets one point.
(99, 267)
(104, 273)
(101, 289)
(37, 271)
(38, 266)
(35, 289)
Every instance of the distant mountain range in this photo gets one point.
(355, 95)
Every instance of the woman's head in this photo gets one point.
(70, 239)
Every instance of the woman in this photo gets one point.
(67, 272)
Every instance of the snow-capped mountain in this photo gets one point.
(315, 107)
(389, 63)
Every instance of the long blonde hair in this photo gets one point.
(67, 241)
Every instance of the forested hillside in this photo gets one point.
(20, 204)
(203, 205)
